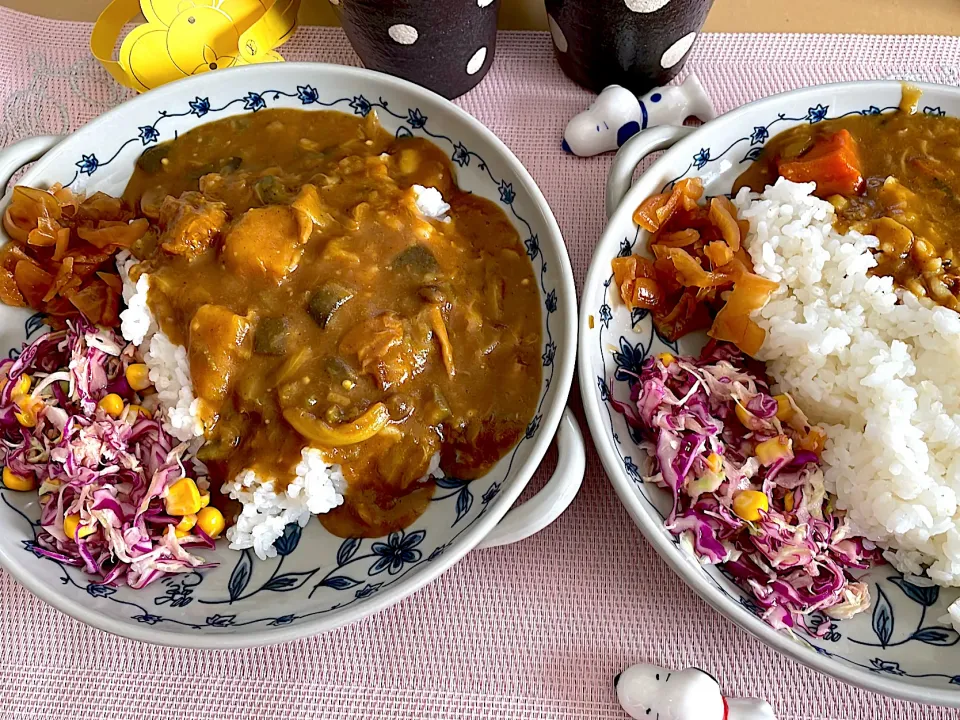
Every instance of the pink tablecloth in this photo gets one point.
(535, 630)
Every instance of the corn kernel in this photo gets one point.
(714, 462)
(814, 440)
(666, 358)
(788, 501)
(770, 451)
(27, 418)
(16, 482)
(112, 405)
(784, 408)
(182, 498)
(186, 524)
(348, 384)
(749, 503)
(22, 387)
(204, 499)
(70, 525)
(211, 521)
(138, 376)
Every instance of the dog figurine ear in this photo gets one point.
(647, 692)
(617, 115)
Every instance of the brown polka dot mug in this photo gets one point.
(444, 46)
(640, 44)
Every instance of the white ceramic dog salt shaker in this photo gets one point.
(617, 115)
(648, 692)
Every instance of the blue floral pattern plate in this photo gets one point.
(317, 581)
(902, 646)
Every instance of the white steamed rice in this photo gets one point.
(884, 377)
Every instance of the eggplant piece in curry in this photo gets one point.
(319, 306)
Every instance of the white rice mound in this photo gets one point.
(883, 377)
(317, 488)
(168, 363)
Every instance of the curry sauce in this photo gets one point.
(321, 305)
(909, 196)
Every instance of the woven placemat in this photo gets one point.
(537, 630)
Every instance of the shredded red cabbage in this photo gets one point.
(796, 556)
(111, 472)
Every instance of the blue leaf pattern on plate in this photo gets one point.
(287, 542)
(926, 596)
(240, 577)
(348, 548)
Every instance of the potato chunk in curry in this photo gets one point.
(219, 343)
(264, 243)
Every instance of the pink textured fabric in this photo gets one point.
(537, 630)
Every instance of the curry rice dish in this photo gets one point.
(325, 316)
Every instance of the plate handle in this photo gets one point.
(632, 153)
(19, 154)
(535, 514)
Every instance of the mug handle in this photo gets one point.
(633, 151)
(19, 154)
(554, 498)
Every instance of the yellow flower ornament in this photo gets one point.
(186, 37)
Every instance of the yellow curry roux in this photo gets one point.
(288, 255)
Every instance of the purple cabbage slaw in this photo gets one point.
(112, 472)
(796, 559)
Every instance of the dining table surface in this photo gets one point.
(882, 17)
(581, 600)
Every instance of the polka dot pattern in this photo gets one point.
(675, 52)
(403, 34)
(559, 39)
(645, 6)
(476, 61)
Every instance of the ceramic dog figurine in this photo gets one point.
(648, 692)
(617, 115)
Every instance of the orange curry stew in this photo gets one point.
(319, 307)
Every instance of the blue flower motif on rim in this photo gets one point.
(606, 315)
(603, 388)
(461, 156)
(701, 158)
(759, 135)
(282, 620)
(507, 194)
(148, 618)
(938, 111)
(629, 360)
(100, 591)
(148, 134)
(551, 302)
(490, 494)
(397, 551)
(199, 106)
(416, 118)
(254, 101)
(307, 94)
(626, 247)
(886, 666)
(549, 353)
(219, 620)
(367, 590)
(360, 105)
(88, 164)
(533, 426)
(631, 467)
(816, 114)
(532, 244)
